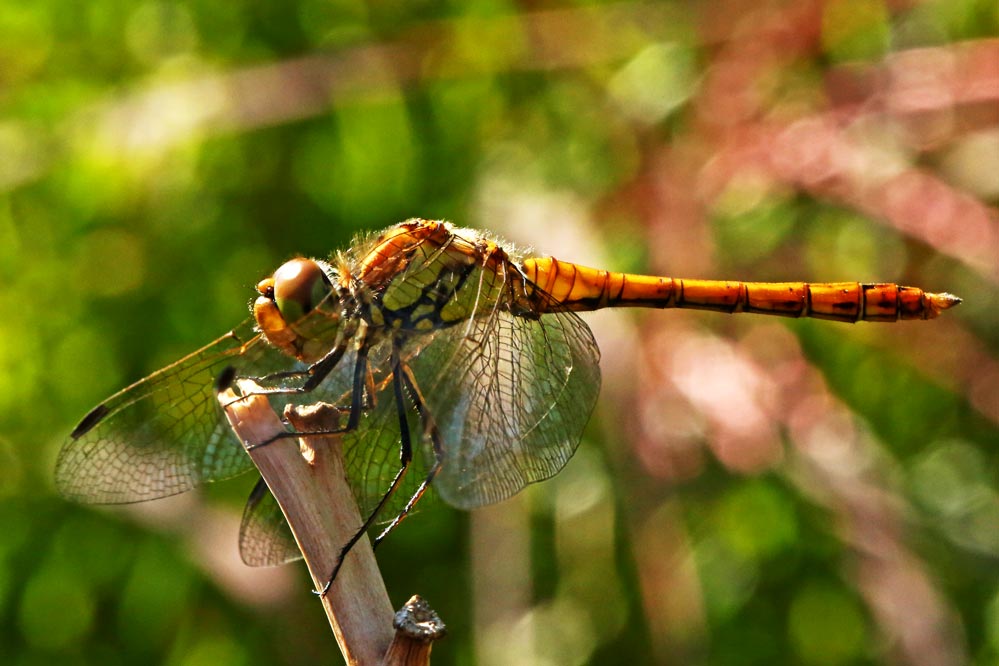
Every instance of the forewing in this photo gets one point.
(510, 396)
(166, 433)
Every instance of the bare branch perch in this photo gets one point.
(310, 485)
(417, 627)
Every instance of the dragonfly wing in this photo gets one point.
(165, 434)
(510, 396)
(265, 539)
(371, 452)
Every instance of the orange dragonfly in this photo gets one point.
(447, 350)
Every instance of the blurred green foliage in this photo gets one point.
(157, 158)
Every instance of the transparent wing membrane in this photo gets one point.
(511, 397)
(264, 536)
(166, 433)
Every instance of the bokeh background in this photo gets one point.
(749, 490)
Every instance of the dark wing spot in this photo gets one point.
(90, 420)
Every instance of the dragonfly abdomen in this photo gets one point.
(567, 286)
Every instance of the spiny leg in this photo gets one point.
(429, 426)
(405, 457)
(314, 374)
(317, 372)
(360, 383)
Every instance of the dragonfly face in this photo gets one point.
(298, 310)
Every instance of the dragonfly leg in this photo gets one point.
(430, 427)
(357, 402)
(405, 457)
(314, 374)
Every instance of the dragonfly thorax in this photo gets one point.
(424, 275)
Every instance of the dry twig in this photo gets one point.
(309, 483)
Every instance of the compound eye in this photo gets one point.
(299, 286)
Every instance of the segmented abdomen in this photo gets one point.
(562, 286)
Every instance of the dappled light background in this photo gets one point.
(749, 490)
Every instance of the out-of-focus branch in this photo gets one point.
(817, 154)
(153, 118)
(832, 460)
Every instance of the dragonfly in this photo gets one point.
(448, 351)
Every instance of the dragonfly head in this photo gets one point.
(299, 288)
